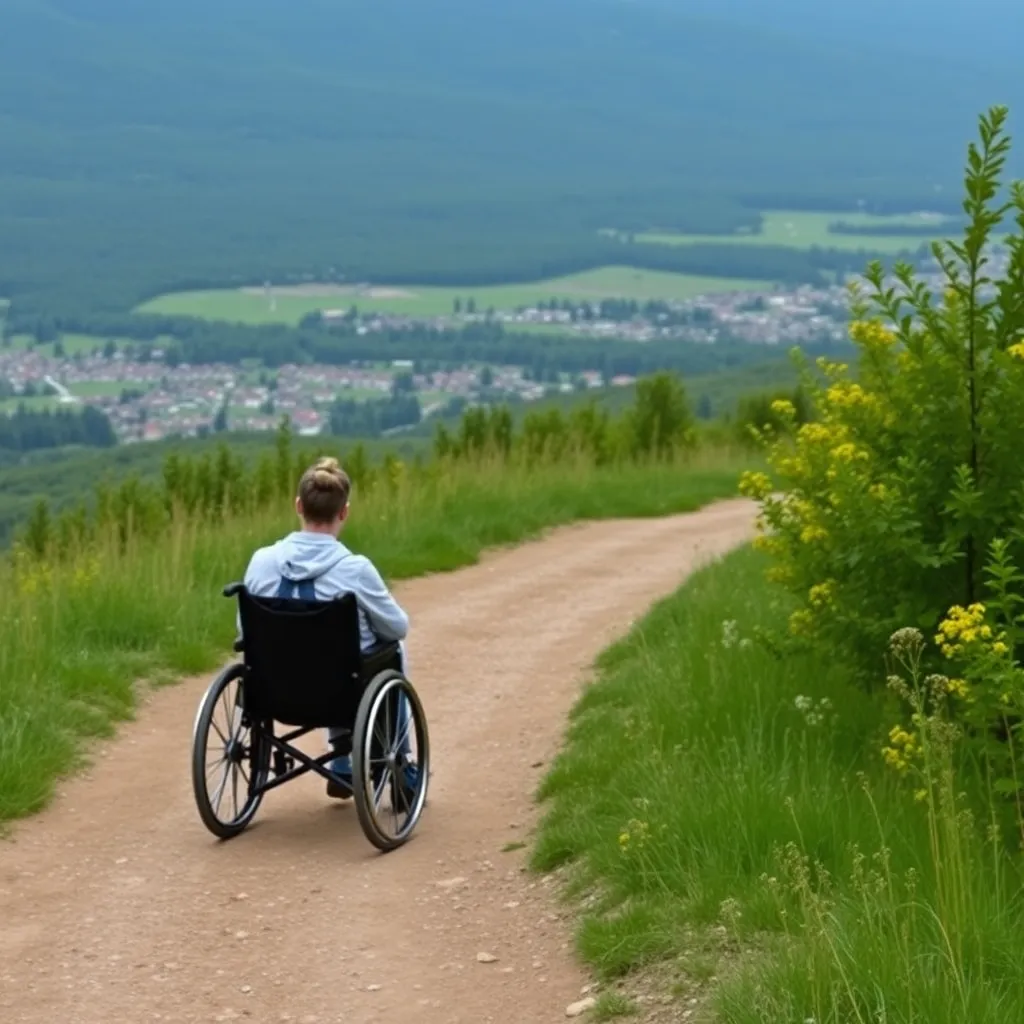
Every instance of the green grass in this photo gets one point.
(716, 825)
(613, 1006)
(73, 343)
(603, 283)
(85, 343)
(801, 230)
(105, 388)
(66, 476)
(74, 638)
(34, 403)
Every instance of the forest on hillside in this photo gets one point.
(148, 148)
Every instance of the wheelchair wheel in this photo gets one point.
(230, 759)
(390, 760)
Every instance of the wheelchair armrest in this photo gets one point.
(239, 644)
(232, 589)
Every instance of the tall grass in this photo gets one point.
(728, 811)
(76, 635)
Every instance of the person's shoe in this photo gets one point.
(341, 789)
(409, 787)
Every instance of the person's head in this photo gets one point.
(322, 501)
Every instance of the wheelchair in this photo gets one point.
(302, 668)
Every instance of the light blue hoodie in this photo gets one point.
(316, 565)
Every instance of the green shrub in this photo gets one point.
(892, 497)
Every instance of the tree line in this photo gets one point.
(351, 418)
(198, 341)
(31, 429)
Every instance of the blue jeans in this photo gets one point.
(343, 764)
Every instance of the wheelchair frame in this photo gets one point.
(363, 693)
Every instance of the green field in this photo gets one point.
(290, 305)
(801, 230)
(73, 344)
(34, 403)
(105, 388)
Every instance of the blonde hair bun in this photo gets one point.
(324, 490)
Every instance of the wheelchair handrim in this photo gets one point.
(369, 783)
(217, 697)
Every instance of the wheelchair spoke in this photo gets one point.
(379, 792)
(213, 767)
(227, 707)
(401, 740)
(402, 795)
(382, 740)
(220, 789)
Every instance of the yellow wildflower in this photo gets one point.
(815, 433)
(921, 795)
(871, 334)
(790, 466)
(902, 749)
(755, 485)
(800, 622)
(963, 627)
(1017, 350)
(634, 835)
(847, 396)
(811, 533)
(784, 408)
(894, 759)
(958, 688)
(831, 369)
(821, 594)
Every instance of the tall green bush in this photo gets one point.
(883, 510)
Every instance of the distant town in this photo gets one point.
(147, 400)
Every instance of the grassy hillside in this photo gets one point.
(91, 603)
(146, 150)
(65, 477)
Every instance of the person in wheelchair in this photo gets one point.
(312, 564)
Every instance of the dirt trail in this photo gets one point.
(117, 907)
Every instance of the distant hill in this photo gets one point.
(147, 146)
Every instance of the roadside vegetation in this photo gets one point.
(794, 789)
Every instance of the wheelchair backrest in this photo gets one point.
(303, 659)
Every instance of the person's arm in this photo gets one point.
(386, 617)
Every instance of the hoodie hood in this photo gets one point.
(307, 556)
